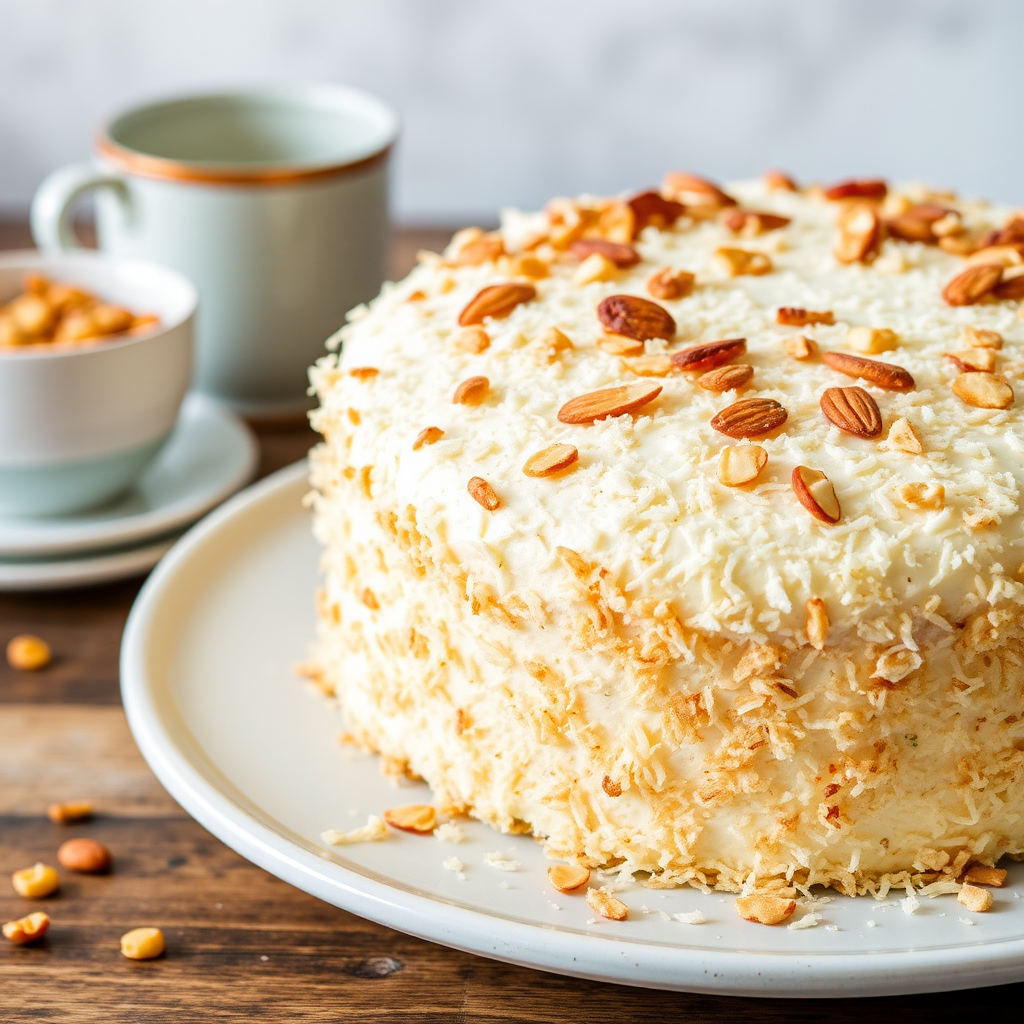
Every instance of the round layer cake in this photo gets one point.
(682, 530)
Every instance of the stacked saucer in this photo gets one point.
(209, 455)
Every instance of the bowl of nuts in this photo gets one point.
(95, 359)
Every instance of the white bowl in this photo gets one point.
(78, 425)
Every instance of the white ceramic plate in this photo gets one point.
(82, 570)
(210, 454)
(252, 753)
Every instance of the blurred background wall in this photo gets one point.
(512, 101)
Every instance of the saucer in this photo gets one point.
(82, 570)
(210, 454)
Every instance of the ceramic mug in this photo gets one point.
(273, 202)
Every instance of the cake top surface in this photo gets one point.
(873, 345)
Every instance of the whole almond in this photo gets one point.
(749, 417)
(568, 877)
(636, 318)
(496, 300)
(652, 208)
(815, 492)
(972, 284)
(617, 401)
(740, 464)
(860, 234)
(709, 354)
(85, 856)
(764, 908)
(1011, 287)
(858, 188)
(983, 390)
(852, 409)
(551, 460)
(794, 316)
(885, 375)
(913, 227)
(420, 818)
(615, 252)
(750, 223)
(428, 435)
(726, 378)
(778, 181)
(483, 494)
(670, 284)
(472, 391)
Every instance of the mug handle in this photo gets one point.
(55, 199)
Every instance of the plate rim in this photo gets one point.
(840, 974)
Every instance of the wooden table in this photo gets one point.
(243, 945)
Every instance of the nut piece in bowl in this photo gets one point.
(83, 412)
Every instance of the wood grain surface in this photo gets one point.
(242, 945)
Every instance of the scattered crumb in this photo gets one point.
(810, 920)
(554, 906)
(831, 927)
(456, 865)
(449, 832)
(501, 862)
(373, 829)
(690, 917)
(504, 885)
(966, 920)
(872, 924)
(264, 958)
(910, 904)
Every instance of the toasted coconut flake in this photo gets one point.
(419, 818)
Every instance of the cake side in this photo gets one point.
(622, 657)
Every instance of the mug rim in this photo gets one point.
(136, 161)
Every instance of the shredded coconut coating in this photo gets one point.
(617, 657)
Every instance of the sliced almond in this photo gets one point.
(973, 284)
(974, 898)
(691, 189)
(741, 464)
(860, 234)
(619, 345)
(920, 495)
(497, 301)
(817, 623)
(799, 347)
(709, 354)
(726, 378)
(670, 284)
(658, 364)
(653, 209)
(617, 401)
(981, 874)
(884, 375)
(743, 262)
(903, 436)
(872, 340)
(852, 409)
(472, 391)
(815, 492)
(568, 877)
(420, 818)
(635, 317)
(751, 223)
(483, 493)
(983, 390)
(551, 460)
(749, 417)
(778, 181)
(605, 904)
(1005, 255)
(858, 188)
(471, 339)
(971, 360)
(794, 316)
(764, 908)
(615, 252)
(976, 337)
(428, 435)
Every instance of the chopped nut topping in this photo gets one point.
(858, 188)
(764, 908)
(419, 818)
(973, 284)
(793, 316)
(472, 248)
(471, 339)
(922, 495)
(778, 181)
(595, 268)
(370, 600)
(903, 437)
(497, 301)
(605, 904)
(1011, 287)
(817, 623)
(973, 359)
(472, 391)
(860, 234)
(652, 208)
(739, 262)
(981, 874)
(815, 492)
(617, 401)
(726, 378)
(709, 354)
(27, 929)
(657, 365)
(695, 191)
(72, 811)
(974, 898)
(983, 390)
(428, 435)
(636, 318)
(958, 245)
(35, 882)
(483, 494)
(553, 343)
(363, 372)
(618, 254)
(568, 877)
(741, 464)
(872, 340)
(551, 460)
(1006, 256)
(750, 417)
(751, 223)
(799, 347)
(143, 944)
(975, 337)
(620, 345)
(669, 284)
(527, 265)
